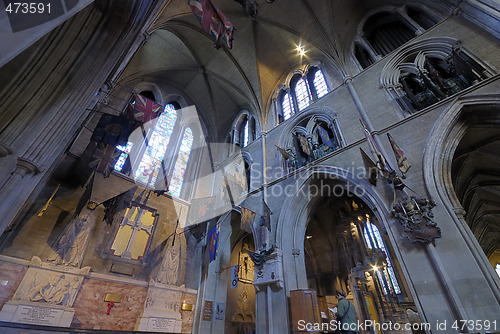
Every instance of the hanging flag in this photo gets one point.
(85, 196)
(143, 109)
(113, 130)
(234, 276)
(370, 167)
(247, 217)
(266, 217)
(213, 21)
(403, 163)
(284, 153)
(201, 209)
(104, 158)
(213, 242)
(325, 137)
(383, 166)
(304, 144)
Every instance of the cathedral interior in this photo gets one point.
(228, 166)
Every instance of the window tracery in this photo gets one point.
(303, 90)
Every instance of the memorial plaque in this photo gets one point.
(38, 315)
(161, 325)
(207, 310)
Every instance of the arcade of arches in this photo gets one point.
(162, 175)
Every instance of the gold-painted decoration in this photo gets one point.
(187, 307)
(112, 297)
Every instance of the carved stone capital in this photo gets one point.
(460, 212)
(5, 150)
(295, 252)
(25, 166)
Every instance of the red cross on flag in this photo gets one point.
(104, 158)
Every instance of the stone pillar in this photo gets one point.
(270, 299)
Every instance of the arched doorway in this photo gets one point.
(334, 229)
(458, 173)
(240, 292)
(346, 249)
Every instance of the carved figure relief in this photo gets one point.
(169, 271)
(71, 245)
(46, 285)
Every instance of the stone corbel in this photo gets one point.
(5, 150)
(25, 166)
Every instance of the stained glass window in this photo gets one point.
(302, 94)
(320, 84)
(287, 104)
(498, 269)
(123, 156)
(246, 130)
(152, 164)
(181, 163)
(374, 240)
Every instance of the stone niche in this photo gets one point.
(46, 295)
(162, 309)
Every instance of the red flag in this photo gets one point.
(144, 109)
(213, 21)
(104, 158)
(403, 163)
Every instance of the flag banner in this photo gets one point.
(266, 217)
(201, 209)
(403, 163)
(383, 166)
(370, 167)
(213, 242)
(143, 109)
(247, 217)
(304, 144)
(284, 153)
(104, 189)
(213, 21)
(325, 137)
(104, 158)
(85, 196)
(113, 130)
(234, 276)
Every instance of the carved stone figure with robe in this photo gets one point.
(169, 270)
(70, 247)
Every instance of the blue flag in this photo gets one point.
(234, 276)
(213, 242)
(325, 137)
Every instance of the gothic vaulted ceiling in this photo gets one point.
(221, 82)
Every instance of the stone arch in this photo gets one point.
(293, 218)
(439, 152)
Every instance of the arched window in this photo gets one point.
(245, 129)
(374, 241)
(152, 164)
(384, 32)
(177, 179)
(319, 84)
(303, 91)
(287, 104)
(302, 94)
